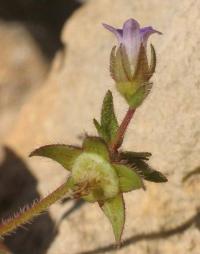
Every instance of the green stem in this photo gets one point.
(34, 210)
(122, 130)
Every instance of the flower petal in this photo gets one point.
(145, 32)
(117, 32)
(132, 40)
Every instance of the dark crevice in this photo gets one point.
(44, 19)
(18, 187)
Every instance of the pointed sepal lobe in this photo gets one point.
(114, 209)
(63, 154)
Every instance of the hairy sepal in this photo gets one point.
(152, 66)
(117, 70)
(142, 69)
(114, 210)
(138, 97)
(128, 179)
(96, 145)
(142, 168)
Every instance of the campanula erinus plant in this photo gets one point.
(100, 170)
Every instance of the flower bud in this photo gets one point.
(129, 65)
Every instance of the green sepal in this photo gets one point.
(96, 145)
(112, 63)
(142, 70)
(134, 91)
(114, 209)
(63, 154)
(128, 179)
(152, 66)
(135, 100)
(125, 62)
(136, 88)
(142, 168)
(117, 70)
(138, 97)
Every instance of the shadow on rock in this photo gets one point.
(18, 187)
(164, 234)
(43, 18)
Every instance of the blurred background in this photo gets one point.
(54, 72)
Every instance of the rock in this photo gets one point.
(43, 20)
(164, 219)
(22, 69)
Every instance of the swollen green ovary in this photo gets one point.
(92, 168)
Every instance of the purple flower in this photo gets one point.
(131, 37)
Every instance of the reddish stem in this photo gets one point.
(122, 130)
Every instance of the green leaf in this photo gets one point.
(100, 131)
(114, 210)
(128, 179)
(63, 154)
(109, 122)
(142, 168)
(96, 145)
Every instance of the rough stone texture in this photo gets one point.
(22, 68)
(163, 219)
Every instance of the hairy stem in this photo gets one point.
(122, 130)
(29, 213)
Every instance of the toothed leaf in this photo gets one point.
(100, 131)
(63, 154)
(109, 124)
(96, 145)
(128, 179)
(138, 155)
(146, 171)
(115, 211)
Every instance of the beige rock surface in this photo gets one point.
(22, 69)
(167, 124)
